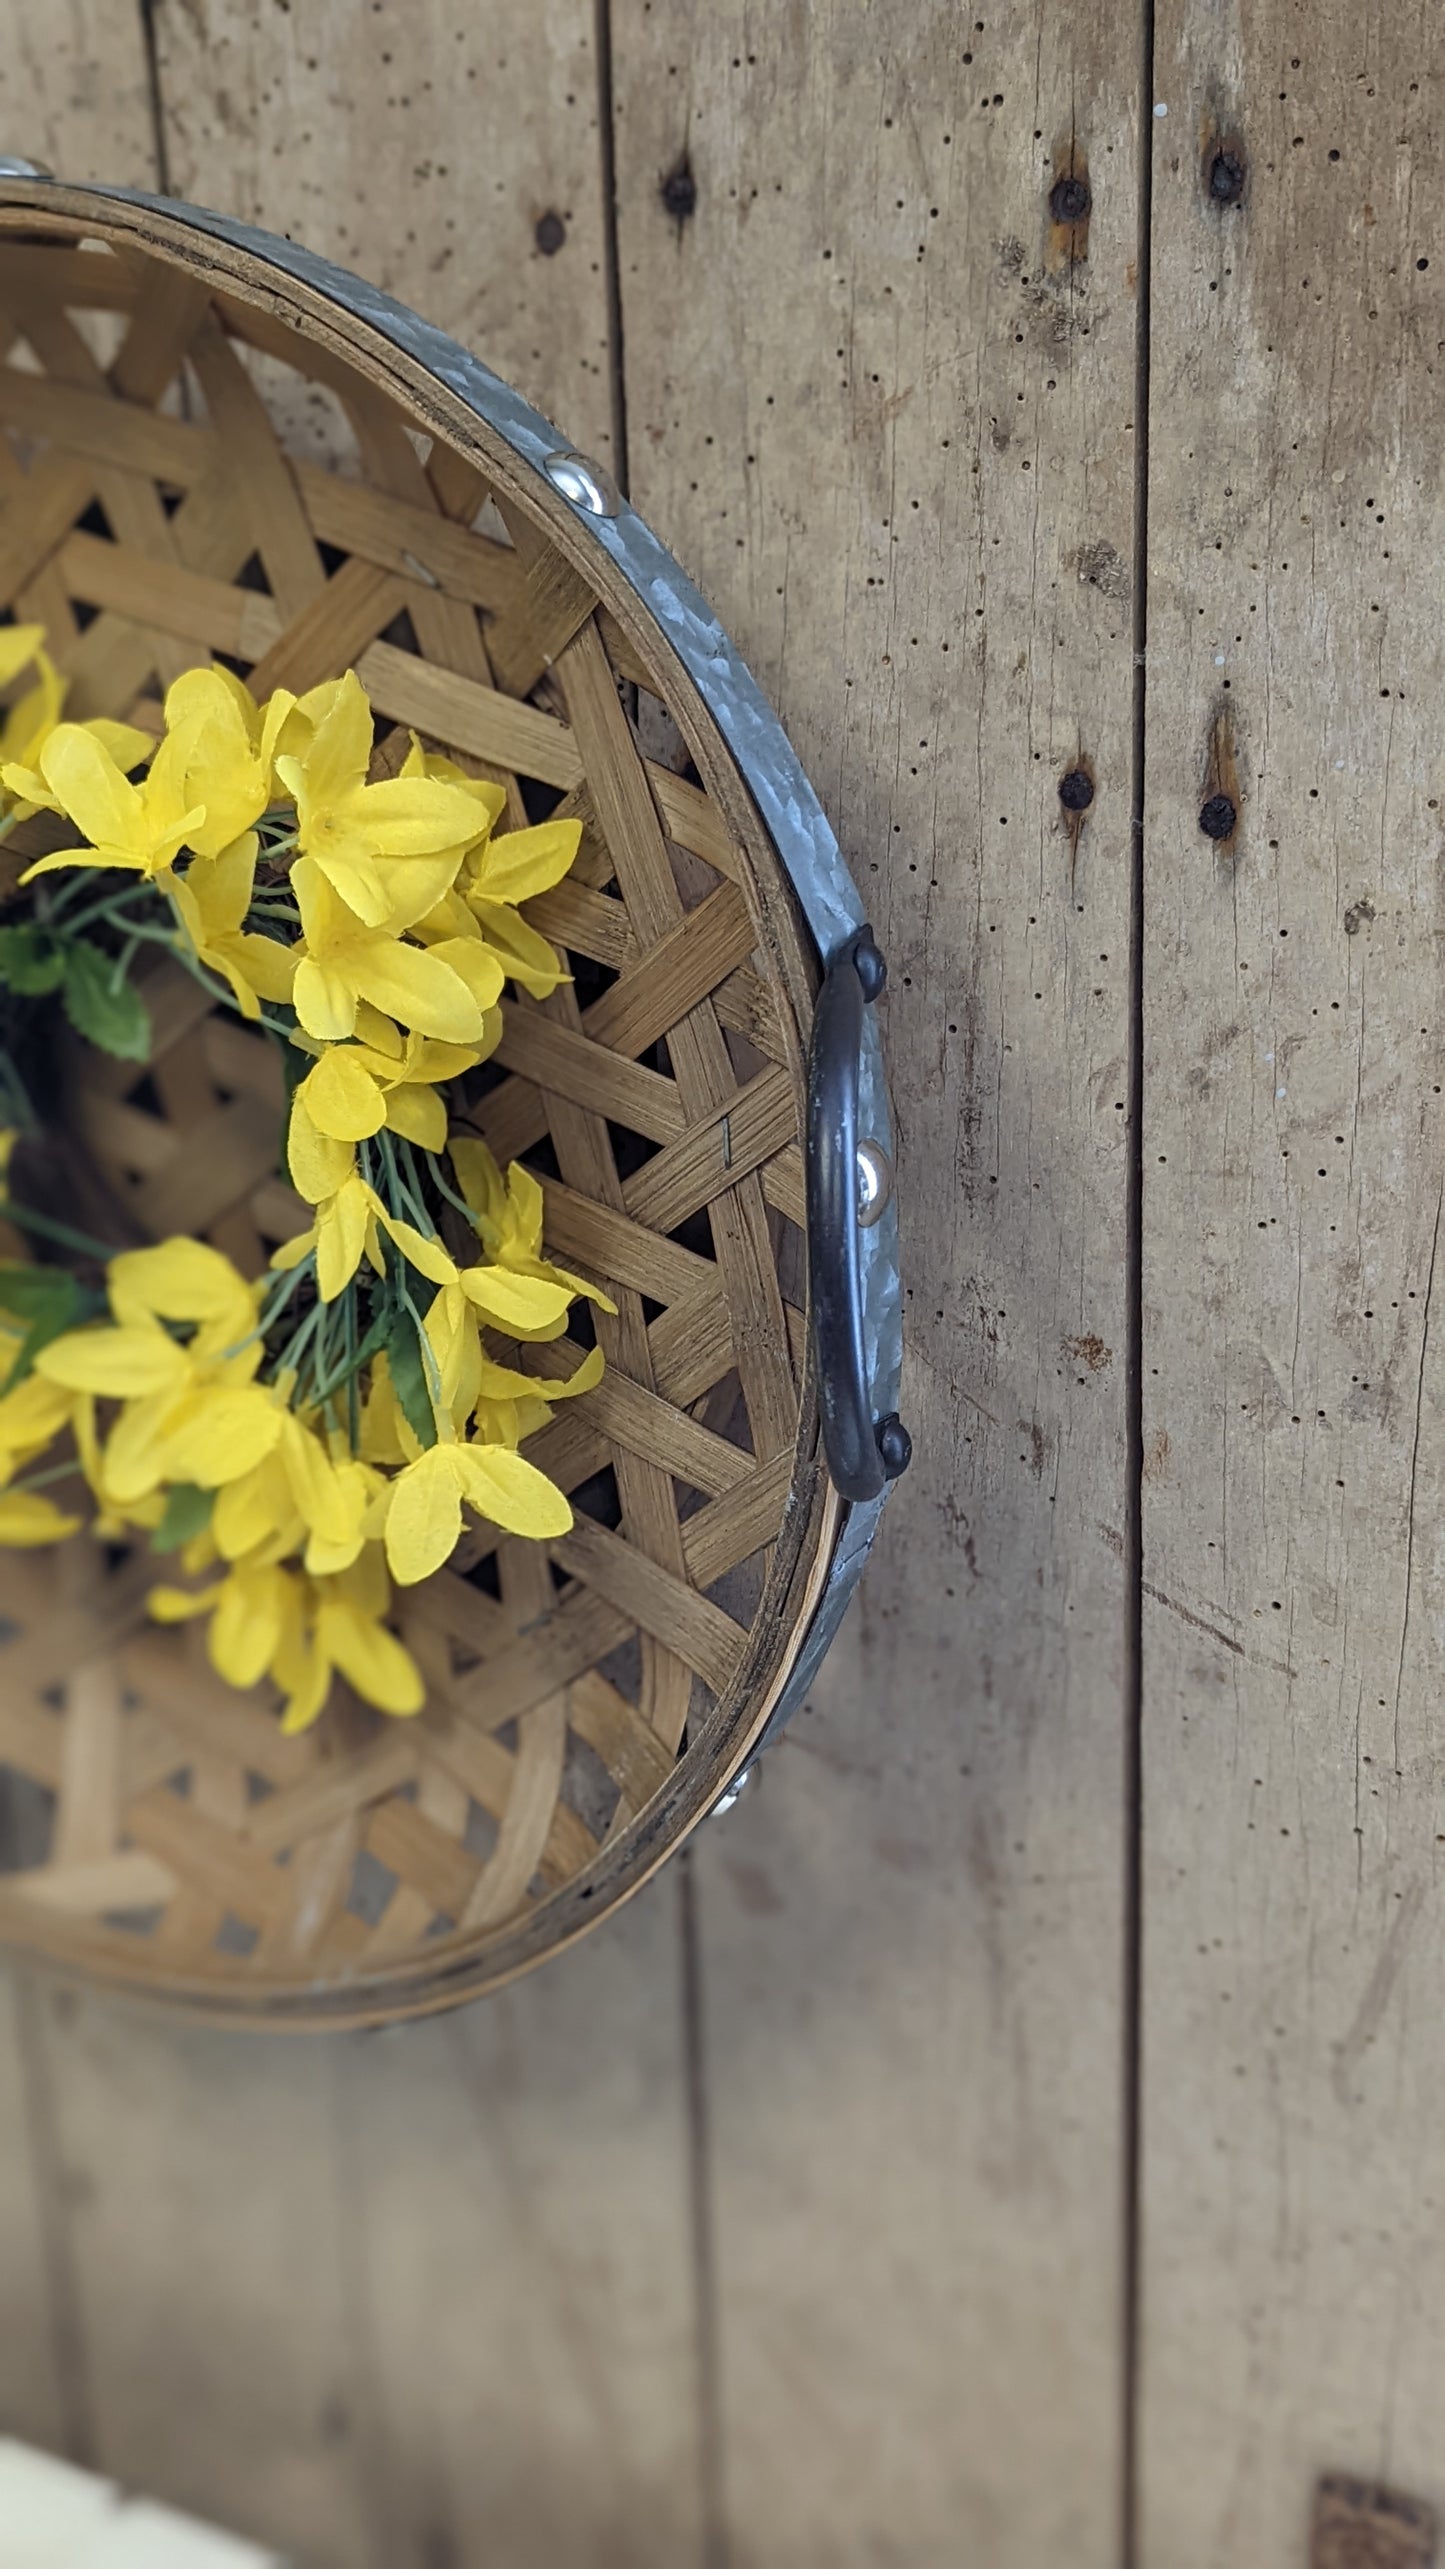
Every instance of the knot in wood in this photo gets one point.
(1226, 178)
(1069, 200)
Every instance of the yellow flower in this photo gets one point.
(212, 898)
(424, 1517)
(225, 746)
(247, 1611)
(511, 1407)
(188, 1412)
(298, 1497)
(356, 1089)
(497, 873)
(269, 1620)
(390, 849)
(139, 828)
(349, 1220)
(31, 1417)
(509, 1223)
(337, 1627)
(19, 645)
(28, 1517)
(343, 963)
(29, 725)
(188, 1281)
(513, 868)
(505, 1406)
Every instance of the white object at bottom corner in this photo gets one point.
(53, 2516)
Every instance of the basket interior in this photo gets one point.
(184, 475)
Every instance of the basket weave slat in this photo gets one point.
(584, 1698)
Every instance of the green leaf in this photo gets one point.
(30, 961)
(187, 1512)
(114, 1018)
(32, 1292)
(51, 1301)
(408, 1374)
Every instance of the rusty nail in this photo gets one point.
(1076, 790)
(1218, 817)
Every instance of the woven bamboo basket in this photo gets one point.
(168, 386)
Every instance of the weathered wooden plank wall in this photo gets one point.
(788, 2222)
(1295, 1408)
(883, 404)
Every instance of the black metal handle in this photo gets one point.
(863, 1453)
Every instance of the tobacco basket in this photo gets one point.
(169, 385)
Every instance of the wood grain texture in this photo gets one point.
(448, 154)
(32, 2398)
(75, 89)
(199, 2176)
(1295, 1401)
(391, 2300)
(516, 2177)
(888, 430)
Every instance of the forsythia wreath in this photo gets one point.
(302, 1441)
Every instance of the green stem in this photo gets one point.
(60, 1232)
(353, 1396)
(404, 1201)
(43, 1480)
(292, 1354)
(444, 1187)
(430, 1367)
(113, 910)
(273, 1305)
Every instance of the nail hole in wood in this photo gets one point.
(678, 190)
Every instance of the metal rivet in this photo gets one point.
(10, 168)
(1218, 817)
(587, 485)
(869, 964)
(875, 1184)
(894, 1444)
(1069, 200)
(732, 1794)
(1076, 790)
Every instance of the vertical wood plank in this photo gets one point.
(209, 2242)
(447, 153)
(520, 2226)
(75, 89)
(30, 2391)
(881, 403)
(1295, 1401)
